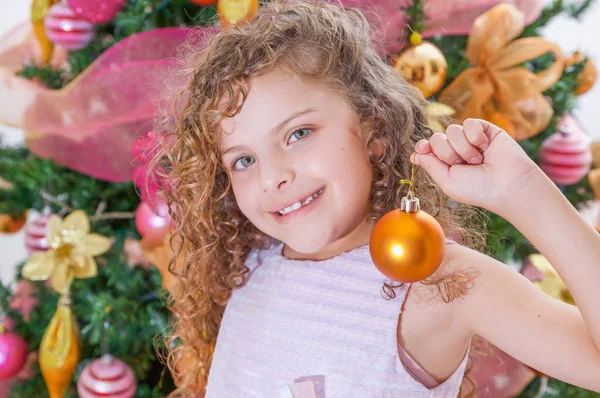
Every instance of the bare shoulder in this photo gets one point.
(432, 305)
(454, 279)
(429, 329)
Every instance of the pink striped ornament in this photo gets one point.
(35, 235)
(106, 377)
(66, 29)
(96, 11)
(566, 156)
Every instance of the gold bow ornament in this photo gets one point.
(497, 88)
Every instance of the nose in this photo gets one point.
(276, 175)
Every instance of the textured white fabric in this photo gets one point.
(323, 328)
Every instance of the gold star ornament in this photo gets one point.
(552, 284)
(71, 253)
(438, 116)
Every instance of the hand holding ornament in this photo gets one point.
(477, 163)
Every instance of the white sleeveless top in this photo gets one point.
(306, 329)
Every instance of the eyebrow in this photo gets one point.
(278, 127)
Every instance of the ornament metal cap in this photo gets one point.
(410, 204)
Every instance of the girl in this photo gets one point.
(289, 147)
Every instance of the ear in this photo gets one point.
(378, 148)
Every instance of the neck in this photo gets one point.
(356, 238)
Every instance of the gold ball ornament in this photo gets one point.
(236, 12)
(423, 65)
(407, 245)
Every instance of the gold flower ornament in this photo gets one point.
(71, 253)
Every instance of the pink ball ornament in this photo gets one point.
(13, 354)
(153, 222)
(35, 235)
(65, 29)
(566, 156)
(96, 11)
(106, 377)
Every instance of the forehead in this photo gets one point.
(271, 99)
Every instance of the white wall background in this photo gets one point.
(569, 34)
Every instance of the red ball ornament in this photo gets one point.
(106, 377)
(13, 354)
(153, 222)
(566, 156)
(64, 28)
(407, 245)
(35, 235)
(96, 11)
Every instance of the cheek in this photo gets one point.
(352, 167)
(246, 196)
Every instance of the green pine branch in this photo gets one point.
(556, 8)
(416, 16)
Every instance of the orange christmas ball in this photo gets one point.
(587, 78)
(588, 75)
(10, 224)
(236, 12)
(205, 3)
(407, 246)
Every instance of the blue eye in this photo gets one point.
(298, 135)
(243, 162)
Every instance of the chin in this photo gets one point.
(307, 246)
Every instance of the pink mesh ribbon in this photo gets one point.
(446, 18)
(89, 125)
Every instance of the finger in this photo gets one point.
(459, 142)
(437, 169)
(423, 146)
(481, 132)
(443, 150)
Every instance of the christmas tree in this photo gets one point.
(91, 121)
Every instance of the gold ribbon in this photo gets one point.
(497, 86)
(160, 256)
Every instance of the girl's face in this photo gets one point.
(299, 170)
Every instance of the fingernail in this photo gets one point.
(475, 160)
(484, 147)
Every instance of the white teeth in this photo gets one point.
(298, 205)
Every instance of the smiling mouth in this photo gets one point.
(300, 203)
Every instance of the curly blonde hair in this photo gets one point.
(319, 42)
